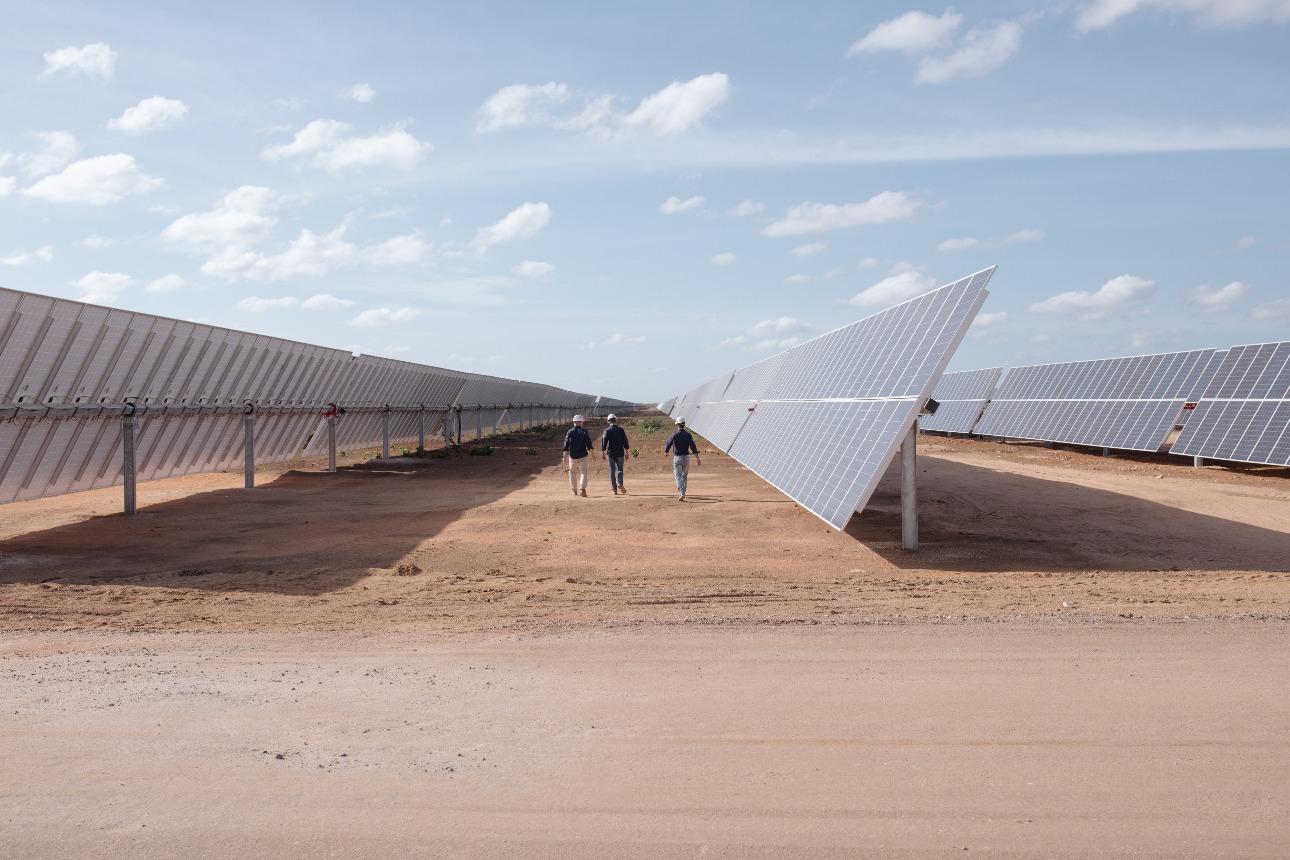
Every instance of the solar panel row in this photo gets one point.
(69, 370)
(962, 397)
(1244, 412)
(823, 420)
(1129, 403)
(1241, 400)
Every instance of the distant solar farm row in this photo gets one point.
(70, 373)
(1232, 404)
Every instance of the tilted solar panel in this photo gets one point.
(961, 397)
(70, 370)
(1128, 403)
(823, 420)
(1244, 413)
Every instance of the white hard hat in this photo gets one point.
(612, 417)
(680, 421)
(577, 418)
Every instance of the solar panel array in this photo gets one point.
(1129, 403)
(962, 397)
(1244, 412)
(69, 371)
(823, 420)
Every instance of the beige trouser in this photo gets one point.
(578, 467)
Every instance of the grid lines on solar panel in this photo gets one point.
(1129, 403)
(962, 397)
(1244, 414)
(829, 415)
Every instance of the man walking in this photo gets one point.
(681, 444)
(577, 450)
(614, 441)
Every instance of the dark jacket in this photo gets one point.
(577, 442)
(683, 442)
(614, 439)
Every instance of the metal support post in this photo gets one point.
(331, 443)
(458, 428)
(127, 459)
(909, 489)
(385, 432)
(248, 447)
(421, 428)
(479, 423)
(1197, 462)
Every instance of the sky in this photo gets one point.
(628, 199)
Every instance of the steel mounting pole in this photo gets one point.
(248, 447)
(127, 459)
(909, 489)
(385, 432)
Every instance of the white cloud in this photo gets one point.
(384, 316)
(799, 278)
(1116, 294)
(166, 284)
(894, 289)
(678, 107)
(103, 288)
(148, 115)
(523, 222)
(97, 181)
(959, 244)
(990, 320)
(257, 305)
(971, 242)
(780, 327)
(1277, 309)
(44, 254)
(724, 259)
(239, 219)
(97, 242)
(361, 93)
(781, 333)
(912, 33)
(1215, 300)
(1245, 243)
(746, 208)
(325, 302)
(616, 340)
(982, 50)
(819, 217)
(309, 255)
(809, 249)
(673, 205)
(533, 269)
(869, 263)
(7, 184)
(1217, 14)
(520, 104)
(328, 144)
(59, 149)
(405, 250)
(93, 61)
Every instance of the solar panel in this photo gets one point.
(68, 370)
(1127, 403)
(961, 397)
(1244, 413)
(823, 420)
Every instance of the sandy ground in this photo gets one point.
(455, 657)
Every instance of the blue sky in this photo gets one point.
(631, 198)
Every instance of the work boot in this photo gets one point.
(584, 492)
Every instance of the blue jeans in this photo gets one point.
(681, 469)
(616, 471)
